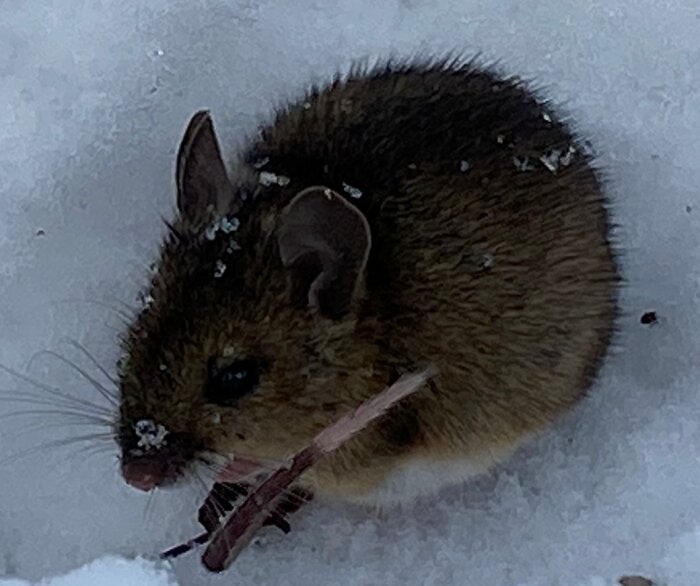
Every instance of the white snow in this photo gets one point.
(94, 97)
(353, 192)
(224, 225)
(268, 178)
(107, 571)
(150, 434)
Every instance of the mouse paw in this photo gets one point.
(223, 498)
(288, 503)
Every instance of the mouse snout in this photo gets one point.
(152, 456)
(146, 472)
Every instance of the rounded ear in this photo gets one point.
(203, 187)
(324, 244)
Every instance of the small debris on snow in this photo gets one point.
(267, 179)
(228, 226)
(566, 158)
(260, 163)
(551, 161)
(649, 318)
(220, 269)
(210, 232)
(150, 435)
(353, 192)
(147, 300)
(523, 165)
(224, 224)
(635, 581)
(40, 232)
(464, 166)
(145, 426)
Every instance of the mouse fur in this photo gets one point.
(406, 214)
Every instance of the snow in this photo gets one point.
(353, 192)
(94, 98)
(107, 571)
(150, 435)
(267, 178)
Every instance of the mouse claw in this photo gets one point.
(278, 521)
(223, 498)
(286, 505)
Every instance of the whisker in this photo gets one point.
(50, 390)
(95, 383)
(76, 414)
(93, 360)
(29, 399)
(30, 429)
(98, 448)
(34, 399)
(101, 443)
(148, 508)
(219, 510)
(85, 452)
(203, 486)
(54, 444)
(126, 318)
(131, 309)
(90, 451)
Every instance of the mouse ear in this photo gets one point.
(324, 244)
(203, 186)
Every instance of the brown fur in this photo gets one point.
(502, 279)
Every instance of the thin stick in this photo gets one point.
(230, 539)
(178, 550)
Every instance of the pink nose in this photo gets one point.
(144, 474)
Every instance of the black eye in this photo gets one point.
(233, 382)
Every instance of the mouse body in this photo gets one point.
(404, 215)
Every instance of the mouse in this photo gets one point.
(404, 213)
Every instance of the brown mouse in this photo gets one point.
(407, 214)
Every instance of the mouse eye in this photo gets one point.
(233, 382)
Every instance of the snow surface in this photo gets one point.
(107, 571)
(94, 97)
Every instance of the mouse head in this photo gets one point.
(250, 341)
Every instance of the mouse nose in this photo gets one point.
(144, 473)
